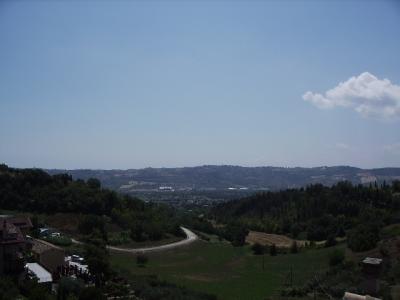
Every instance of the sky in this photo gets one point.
(133, 84)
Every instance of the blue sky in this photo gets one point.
(125, 84)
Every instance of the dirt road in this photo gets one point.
(190, 238)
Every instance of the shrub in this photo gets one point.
(272, 250)
(258, 249)
(59, 240)
(330, 241)
(141, 260)
(336, 257)
(91, 293)
(294, 248)
(363, 238)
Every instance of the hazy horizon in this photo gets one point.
(119, 85)
(197, 166)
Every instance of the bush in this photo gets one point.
(68, 287)
(272, 250)
(59, 240)
(330, 241)
(235, 233)
(363, 237)
(141, 260)
(8, 289)
(294, 248)
(294, 292)
(258, 249)
(91, 293)
(336, 257)
(119, 238)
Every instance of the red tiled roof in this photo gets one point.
(10, 233)
(21, 222)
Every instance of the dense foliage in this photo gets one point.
(319, 212)
(36, 191)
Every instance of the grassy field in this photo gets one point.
(228, 272)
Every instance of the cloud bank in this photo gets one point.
(366, 94)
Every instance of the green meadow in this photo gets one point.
(228, 272)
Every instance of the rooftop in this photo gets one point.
(40, 246)
(9, 233)
(372, 261)
(19, 221)
(351, 296)
(41, 273)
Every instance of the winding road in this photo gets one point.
(190, 238)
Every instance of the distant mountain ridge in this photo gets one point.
(212, 177)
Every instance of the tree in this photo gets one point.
(396, 186)
(91, 223)
(8, 289)
(137, 232)
(35, 226)
(141, 260)
(258, 249)
(295, 230)
(97, 259)
(364, 237)
(33, 290)
(68, 287)
(330, 241)
(155, 231)
(91, 293)
(336, 257)
(94, 183)
(294, 248)
(235, 233)
(272, 250)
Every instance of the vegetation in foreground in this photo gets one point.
(229, 272)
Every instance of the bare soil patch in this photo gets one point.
(268, 239)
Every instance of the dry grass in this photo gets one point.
(268, 239)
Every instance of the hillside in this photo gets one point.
(318, 212)
(96, 210)
(229, 177)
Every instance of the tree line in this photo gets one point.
(35, 191)
(318, 212)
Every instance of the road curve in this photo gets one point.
(190, 238)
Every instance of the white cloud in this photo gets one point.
(366, 94)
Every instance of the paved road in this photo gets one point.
(190, 238)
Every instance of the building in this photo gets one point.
(371, 268)
(36, 270)
(23, 223)
(13, 244)
(372, 265)
(48, 255)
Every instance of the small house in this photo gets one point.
(48, 255)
